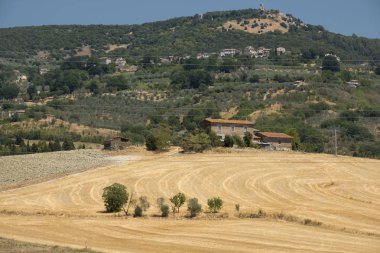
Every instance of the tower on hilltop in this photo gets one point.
(262, 8)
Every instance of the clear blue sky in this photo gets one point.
(361, 17)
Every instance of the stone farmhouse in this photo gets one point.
(276, 141)
(267, 140)
(224, 127)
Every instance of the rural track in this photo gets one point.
(341, 192)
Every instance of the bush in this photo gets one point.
(138, 212)
(228, 141)
(164, 211)
(194, 207)
(215, 204)
(237, 207)
(160, 202)
(238, 141)
(144, 203)
(198, 142)
(158, 140)
(115, 197)
(248, 139)
(177, 201)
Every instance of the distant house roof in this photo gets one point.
(274, 135)
(225, 121)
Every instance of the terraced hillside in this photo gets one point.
(340, 195)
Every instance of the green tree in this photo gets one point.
(377, 70)
(115, 197)
(177, 201)
(331, 63)
(215, 204)
(9, 91)
(194, 207)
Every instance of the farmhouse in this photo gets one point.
(117, 143)
(276, 141)
(224, 127)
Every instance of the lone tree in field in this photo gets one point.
(115, 197)
(194, 207)
(215, 204)
(177, 201)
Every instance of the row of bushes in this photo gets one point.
(116, 198)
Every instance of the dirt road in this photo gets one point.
(343, 193)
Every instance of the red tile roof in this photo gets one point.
(274, 135)
(225, 121)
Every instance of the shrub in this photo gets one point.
(228, 141)
(164, 211)
(238, 141)
(177, 201)
(237, 207)
(215, 204)
(160, 202)
(144, 203)
(138, 212)
(197, 142)
(194, 207)
(158, 140)
(115, 197)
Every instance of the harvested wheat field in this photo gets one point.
(313, 203)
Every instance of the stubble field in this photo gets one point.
(341, 194)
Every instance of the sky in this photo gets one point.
(361, 17)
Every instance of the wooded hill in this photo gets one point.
(179, 36)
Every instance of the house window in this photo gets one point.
(232, 128)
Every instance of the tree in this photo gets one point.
(115, 197)
(194, 207)
(177, 201)
(215, 204)
(32, 91)
(158, 139)
(331, 63)
(9, 91)
(144, 203)
(377, 70)
(228, 141)
(296, 138)
(247, 139)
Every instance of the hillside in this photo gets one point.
(282, 74)
(181, 36)
(309, 203)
